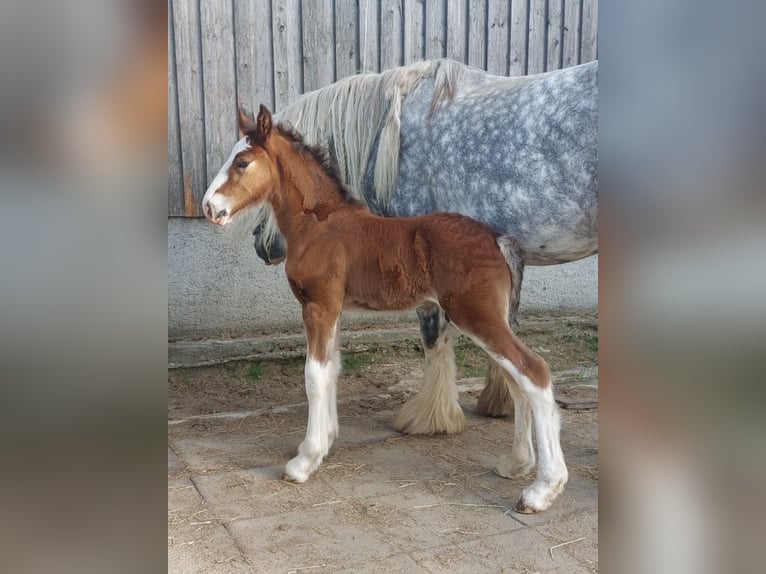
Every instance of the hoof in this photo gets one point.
(299, 469)
(287, 478)
(540, 495)
(522, 508)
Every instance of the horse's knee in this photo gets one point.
(431, 324)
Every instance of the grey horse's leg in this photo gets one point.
(495, 400)
(435, 409)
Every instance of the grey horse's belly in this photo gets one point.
(522, 160)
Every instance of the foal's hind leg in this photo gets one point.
(494, 400)
(322, 370)
(522, 459)
(491, 332)
(435, 409)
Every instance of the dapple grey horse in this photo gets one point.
(517, 153)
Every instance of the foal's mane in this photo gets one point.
(321, 156)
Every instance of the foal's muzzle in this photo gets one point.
(220, 217)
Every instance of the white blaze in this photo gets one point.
(217, 202)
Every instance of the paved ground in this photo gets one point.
(381, 501)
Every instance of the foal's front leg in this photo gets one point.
(322, 370)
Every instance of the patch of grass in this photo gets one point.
(356, 361)
(255, 372)
(292, 366)
(470, 360)
(592, 343)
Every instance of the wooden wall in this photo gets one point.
(225, 52)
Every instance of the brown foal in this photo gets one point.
(341, 256)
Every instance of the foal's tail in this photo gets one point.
(510, 250)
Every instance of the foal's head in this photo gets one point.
(248, 175)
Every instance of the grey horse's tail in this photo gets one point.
(510, 249)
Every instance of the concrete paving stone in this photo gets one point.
(360, 429)
(196, 541)
(223, 451)
(175, 466)
(519, 551)
(433, 525)
(313, 538)
(574, 528)
(399, 564)
(260, 492)
(377, 469)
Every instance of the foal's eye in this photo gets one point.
(242, 164)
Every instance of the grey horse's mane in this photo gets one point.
(347, 118)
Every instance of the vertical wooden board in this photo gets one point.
(477, 34)
(252, 44)
(497, 37)
(391, 45)
(190, 102)
(369, 41)
(457, 31)
(519, 36)
(589, 35)
(318, 44)
(555, 28)
(288, 68)
(537, 45)
(220, 88)
(414, 28)
(571, 50)
(436, 28)
(346, 38)
(175, 177)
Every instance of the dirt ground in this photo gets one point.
(380, 501)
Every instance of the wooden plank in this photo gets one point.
(190, 102)
(457, 31)
(346, 38)
(519, 36)
(318, 45)
(414, 28)
(369, 41)
(219, 84)
(391, 41)
(497, 37)
(175, 176)
(571, 50)
(537, 45)
(555, 34)
(436, 29)
(288, 68)
(252, 44)
(477, 34)
(589, 34)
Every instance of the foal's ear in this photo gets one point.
(246, 123)
(263, 123)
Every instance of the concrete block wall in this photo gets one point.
(218, 288)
